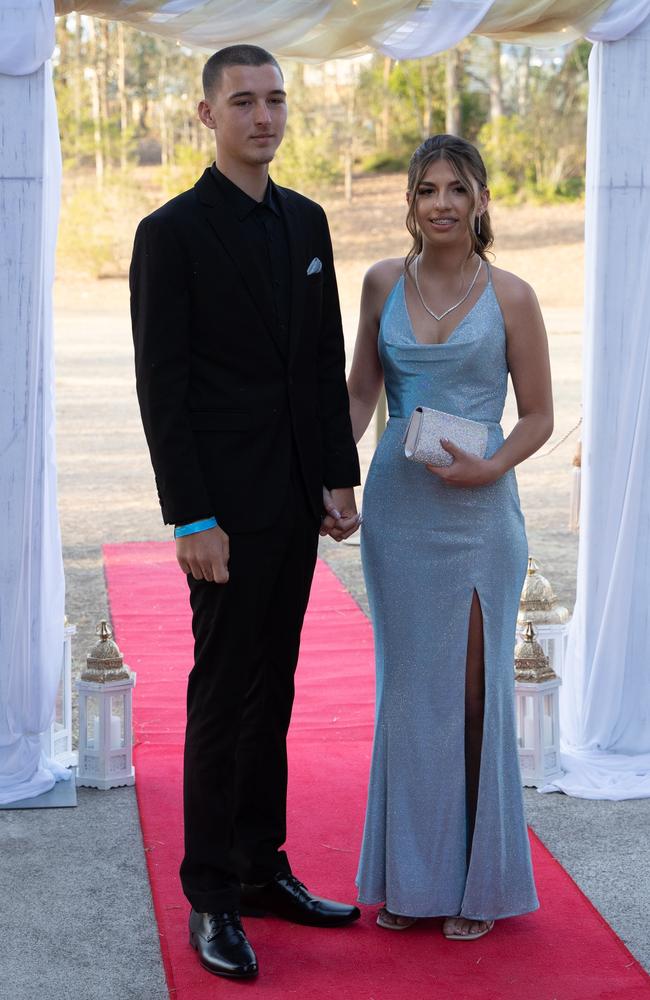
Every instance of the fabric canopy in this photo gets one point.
(328, 29)
(323, 29)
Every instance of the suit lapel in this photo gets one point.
(225, 225)
(298, 256)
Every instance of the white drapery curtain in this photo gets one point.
(26, 35)
(31, 582)
(31, 570)
(327, 29)
(621, 19)
(605, 699)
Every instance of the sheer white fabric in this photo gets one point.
(605, 697)
(446, 22)
(325, 29)
(31, 570)
(26, 35)
(622, 17)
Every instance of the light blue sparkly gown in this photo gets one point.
(425, 548)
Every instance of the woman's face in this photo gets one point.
(443, 205)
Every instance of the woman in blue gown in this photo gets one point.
(444, 555)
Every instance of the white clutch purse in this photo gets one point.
(427, 426)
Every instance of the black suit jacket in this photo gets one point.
(223, 404)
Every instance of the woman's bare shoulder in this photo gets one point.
(511, 289)
(379, 280)
(384, 273)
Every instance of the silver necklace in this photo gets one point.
(451, 308)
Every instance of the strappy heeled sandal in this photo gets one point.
(474, 935)
(394, 921)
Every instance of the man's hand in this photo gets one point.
(205, 555)
(341, 519)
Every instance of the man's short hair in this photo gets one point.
(234, 55)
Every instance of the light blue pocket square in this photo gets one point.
(315, 266)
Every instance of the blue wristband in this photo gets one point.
(193, 529)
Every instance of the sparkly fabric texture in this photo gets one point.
(426, 547)
(427, 427)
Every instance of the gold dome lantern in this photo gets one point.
(104, 662)
(538, 604)
(531, 662)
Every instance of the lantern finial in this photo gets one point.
(104, 630)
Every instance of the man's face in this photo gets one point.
(248, 112)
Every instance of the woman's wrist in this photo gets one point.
(498, 467)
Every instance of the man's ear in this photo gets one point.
(205, 114)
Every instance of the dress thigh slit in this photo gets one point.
(474, 712)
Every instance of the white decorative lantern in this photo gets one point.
(537, 690)
(57, 740)
(539, 605)
(105, 702)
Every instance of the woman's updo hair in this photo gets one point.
(466, 162)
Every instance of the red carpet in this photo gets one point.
(565, 951)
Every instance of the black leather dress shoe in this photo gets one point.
(284, 896)
(222, 944)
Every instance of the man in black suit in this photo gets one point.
(241, 382)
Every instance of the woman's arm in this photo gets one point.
(530, 370)
(529, 365)
(366, 376)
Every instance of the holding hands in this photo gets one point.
(205, 555)
(341, 518)
(466, 470)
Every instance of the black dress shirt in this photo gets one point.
(266, 236)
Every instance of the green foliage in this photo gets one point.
(540, 155)
(116, 112)
(400, 104)
(307, 159)
(474, 111)
(385, 163)
(189, 164)
(97, 226)
(81, 242)
(522, 156)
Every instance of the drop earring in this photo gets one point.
(478, 225)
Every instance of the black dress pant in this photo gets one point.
(239, 700)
